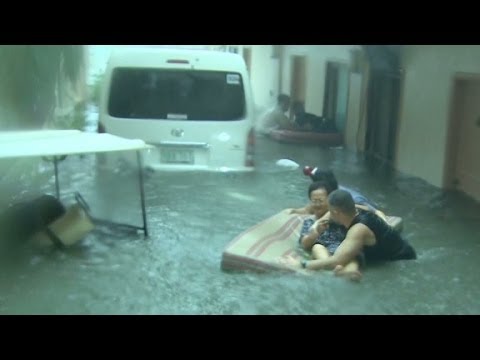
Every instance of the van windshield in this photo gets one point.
(164, 94)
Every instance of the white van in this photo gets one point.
(195, 106)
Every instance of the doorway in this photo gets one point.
(462, 171)
(382, 114)
(298, 84)
(335, 101)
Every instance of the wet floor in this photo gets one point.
(192, 217)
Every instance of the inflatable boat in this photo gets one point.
(307, 137)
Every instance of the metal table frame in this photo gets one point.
(56, 160)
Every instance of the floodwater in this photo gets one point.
(193, 216)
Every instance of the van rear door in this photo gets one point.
(185, 112)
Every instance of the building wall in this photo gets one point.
(426, 104)
(264, 76)
(316, 59)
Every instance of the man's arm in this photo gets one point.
(346, 252)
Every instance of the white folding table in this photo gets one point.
(55, 145)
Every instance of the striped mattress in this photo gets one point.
(258, 248)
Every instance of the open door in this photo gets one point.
(463, 168)
(298, 84)
(382, 114)
(335, 101)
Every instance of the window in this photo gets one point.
(176, 95)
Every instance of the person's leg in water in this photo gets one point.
(331, 239)
(351, 271)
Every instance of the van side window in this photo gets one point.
(163, 94)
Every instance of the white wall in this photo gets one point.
(425, 109)
(98, 55)
(98, 58)
(316, 59)
(264, 76)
